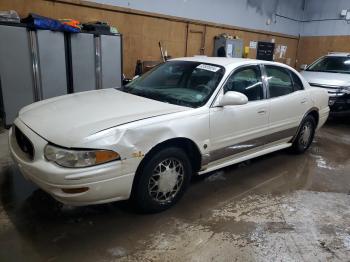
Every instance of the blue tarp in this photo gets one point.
(41, 22)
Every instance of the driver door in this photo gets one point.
(236, 129)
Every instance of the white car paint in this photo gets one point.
(282, 118)
(132, 126)
(327, 79)
(97, 110)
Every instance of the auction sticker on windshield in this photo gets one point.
(208, 67)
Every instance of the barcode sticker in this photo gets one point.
(208, 67)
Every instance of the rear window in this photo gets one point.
(298, 85)
(279, 80)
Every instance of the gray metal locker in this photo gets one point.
(83, 62)
(16, 71)
(52, 63)
(111, 61)
(40, 64)
(228, 47)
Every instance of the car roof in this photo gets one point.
(341, 54)
(225, 61)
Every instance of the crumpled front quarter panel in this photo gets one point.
(135, 140)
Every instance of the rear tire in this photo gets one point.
(305, 135)
(162, 181)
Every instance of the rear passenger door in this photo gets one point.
(288, 100)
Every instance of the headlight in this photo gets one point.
(345, 90)
(79, 158)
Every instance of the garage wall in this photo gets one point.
(324, 30)
(312, 47)
(143, 30)
(252, 14)
(323, 18)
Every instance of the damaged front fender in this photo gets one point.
(137, 139)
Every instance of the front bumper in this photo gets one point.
(106, 183)
(339, 103)
(323, 116)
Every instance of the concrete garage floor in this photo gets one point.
(278, 207)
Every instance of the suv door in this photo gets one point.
(235, 129)
(289, 101)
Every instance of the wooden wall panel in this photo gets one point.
(291, 54)
(195, 40)
(311, 48)
(142, 31)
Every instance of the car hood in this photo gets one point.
(327, 79)
(69, 119)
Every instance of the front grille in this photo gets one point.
(340, 103)
(24, 143)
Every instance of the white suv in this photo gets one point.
(332, 73)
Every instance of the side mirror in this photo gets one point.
(303, 67)
(232, 98)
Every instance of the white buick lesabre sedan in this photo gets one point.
(144, 141)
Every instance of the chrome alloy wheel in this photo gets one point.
(166, 180)
(305, 134)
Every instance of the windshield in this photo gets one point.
(182, 83)
(332, 64)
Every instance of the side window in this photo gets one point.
(279, 80)
(246, 81)
(298, 85)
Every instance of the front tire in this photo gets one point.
(162, 181)
(305, 135)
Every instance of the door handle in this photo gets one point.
(303, 101)
(262, 112)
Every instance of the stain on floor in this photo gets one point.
(279, 207)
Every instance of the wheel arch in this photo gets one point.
(190, 148)
(312, 112)
(186, 144)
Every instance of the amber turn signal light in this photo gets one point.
(104, 156)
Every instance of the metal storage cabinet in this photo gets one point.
(111, 61)
(16, 71)
(83, 67)
(52, 63)
(40, 64)
(96, 61)
(231, 47)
